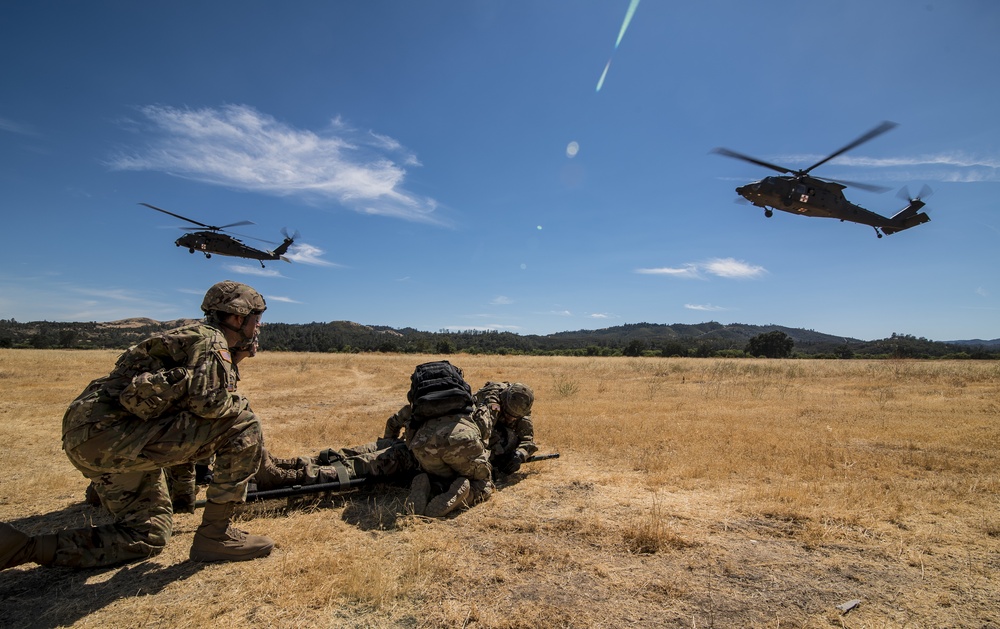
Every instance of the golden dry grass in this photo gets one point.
(690, 493)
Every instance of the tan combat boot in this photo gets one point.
(420, 492)
(456, 497)
(16, 548)
(217, 540)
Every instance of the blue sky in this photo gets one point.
(452, 164)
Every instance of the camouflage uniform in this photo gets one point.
(512, 436)
(382, 459)
(454, 446)
(170, 400)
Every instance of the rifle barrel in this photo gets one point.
(542, 457)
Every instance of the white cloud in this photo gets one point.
(687, 271)
(238, 147)
(307, 254)
(284, 300)
(602, 316)
(982, 292)
(704, 307)
(730, 268)
(955, 166)
(501, 300)
(15, 127)
(255, 270)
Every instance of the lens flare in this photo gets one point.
(632, 6)
(572, 148)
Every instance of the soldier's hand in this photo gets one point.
(514, 464)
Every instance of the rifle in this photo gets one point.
(542, 457)
(297, 490)
(318, 488)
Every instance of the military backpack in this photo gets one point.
(437, 389)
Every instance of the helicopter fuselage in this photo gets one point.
(809, 197)
(209, 242)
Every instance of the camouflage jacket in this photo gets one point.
(399, 423)
(186, 369)
(505, 438)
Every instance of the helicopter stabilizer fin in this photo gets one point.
(908, 217)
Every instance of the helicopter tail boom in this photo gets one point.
(908, 217)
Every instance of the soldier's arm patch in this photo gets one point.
(225, 355)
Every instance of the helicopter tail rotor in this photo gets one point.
(904, 193)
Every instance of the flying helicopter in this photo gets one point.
(214, 239)
(798, 192)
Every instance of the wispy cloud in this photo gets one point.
(255, 270)
(729, 268)
(704, 307)
(308, 254)
(238, 147)
(602, 315)
(686, 271)
(953, 167)
(501, 300)
(284, 300)
(11, 126)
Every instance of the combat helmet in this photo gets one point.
(517, 399)
(233, 298)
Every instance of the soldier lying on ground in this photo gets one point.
(390, 458)
(432, 455)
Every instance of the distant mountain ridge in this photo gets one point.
(679, 339)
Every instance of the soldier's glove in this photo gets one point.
(514, 464)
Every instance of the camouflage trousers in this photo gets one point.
(451, 446)
(135, 490)
(384, 459)
(380, 459)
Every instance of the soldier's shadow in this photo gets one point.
(369, 507)
(378, 507)
(41, 598)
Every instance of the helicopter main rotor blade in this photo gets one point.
(183, 218)
(752, 160)
(870, 187)
(237, 224)
(874, 133)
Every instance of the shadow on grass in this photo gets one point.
(59, 597)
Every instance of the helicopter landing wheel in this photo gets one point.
(208, 255)
(191, 250)
(768, 213)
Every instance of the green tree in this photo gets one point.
(774, 344)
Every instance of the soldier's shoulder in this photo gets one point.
(197, 333)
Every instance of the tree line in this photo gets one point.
(704, 340)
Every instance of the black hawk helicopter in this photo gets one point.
(213, 239)
(797, 192)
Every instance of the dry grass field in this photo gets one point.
(689, 493)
